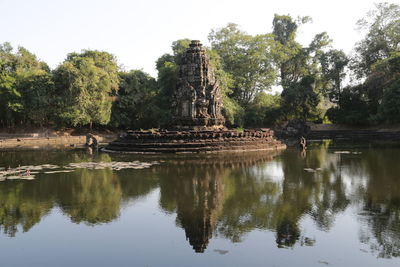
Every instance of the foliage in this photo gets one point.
(136, 105)
(353, 106)
(301, 69)
(84, 83)
(26, 88)
(82, 89)
(333, 65)
(377, 62)
(265, 110)
(300, 100)
(233, 112)
(168, 67)
(390, 109)
(289, 56)
(246, 59)
(382, 37)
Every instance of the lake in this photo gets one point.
(331, 206)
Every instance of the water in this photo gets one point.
(246, 209)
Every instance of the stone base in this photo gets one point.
(195, 141)
(198, 123)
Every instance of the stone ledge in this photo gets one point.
(195, 141)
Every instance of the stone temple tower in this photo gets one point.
(197, 100)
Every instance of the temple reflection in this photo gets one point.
(199, 191)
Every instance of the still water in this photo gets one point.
(245, 209)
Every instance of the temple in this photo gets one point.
(197, 122)
(197, 100)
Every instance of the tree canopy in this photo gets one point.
(316, 80)
(84, 83)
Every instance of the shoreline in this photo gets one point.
(34, 140)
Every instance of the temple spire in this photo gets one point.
(197, 100)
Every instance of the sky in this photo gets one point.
(137, 32)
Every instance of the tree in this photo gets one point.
(168, 67)
(25, 87)
(289, 55)
(382, 37)
(231, 109)
(34, 81)
(300, 68)
(353, 107)
(387, 73)
(84, 83)
(265, 110)
(9, 96)
(136, 105)
(300, 100)
(333, 65)
(247, 59)
(376, 65)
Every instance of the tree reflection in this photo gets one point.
(89, 196)
(260, 202)
(20, 205)
(381, 203)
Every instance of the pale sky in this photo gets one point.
(137, 32)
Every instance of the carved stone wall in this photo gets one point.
(197, 100)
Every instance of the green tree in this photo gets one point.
(168, 69)
(382, 40)
(84, 83)
(26, 87)
(265, 110)
(9, 96)
(376, 64)
(34, 81)
(300, 68)
(231, 109)
(353, 107)
(387, 74)
(136, 105)
(382, 26)
(246, 59)
(333, 65)
(300, 100)
(289, 55)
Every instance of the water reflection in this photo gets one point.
(228, 195)
(380, 208)
(194, 188)
(85, 195)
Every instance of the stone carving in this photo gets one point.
(197, 100)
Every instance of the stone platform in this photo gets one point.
(195, 141)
